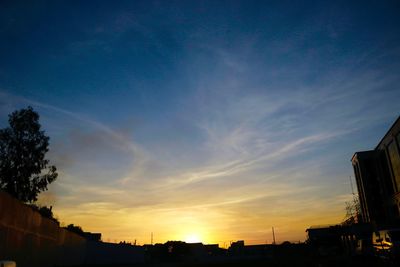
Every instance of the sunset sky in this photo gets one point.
(206, 121)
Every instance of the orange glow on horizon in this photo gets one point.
(194, 230)
(193, 238)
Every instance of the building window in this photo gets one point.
(394, 162)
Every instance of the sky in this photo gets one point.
(208, 121)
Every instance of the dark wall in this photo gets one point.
(32, 240)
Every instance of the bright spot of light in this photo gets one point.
(192, 238)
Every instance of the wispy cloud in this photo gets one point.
(244, 123)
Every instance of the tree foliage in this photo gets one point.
(45, 211)
(75, 228)
(24, 171)
(352, 212)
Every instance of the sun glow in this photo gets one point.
(192, 238)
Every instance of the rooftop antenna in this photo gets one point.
(355, 199)
(273, 235)
(351, 184)
(355, 208)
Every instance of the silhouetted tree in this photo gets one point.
(352, 212)
(45, 212)
(24, 171)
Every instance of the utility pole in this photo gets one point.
(273, 235)
(151, 238)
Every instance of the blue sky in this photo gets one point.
(215, 119)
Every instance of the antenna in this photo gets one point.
(151, 238)
(351, 184)
(273, 235)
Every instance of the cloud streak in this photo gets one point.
(239, 122)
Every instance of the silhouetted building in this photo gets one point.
(377, 174)
(327, 239)
(179, 251)
(92, 236)
(334, 239)
(236, 247)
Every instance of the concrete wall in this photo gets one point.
(32, 240)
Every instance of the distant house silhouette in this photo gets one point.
(92, 236)
(377, 174)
